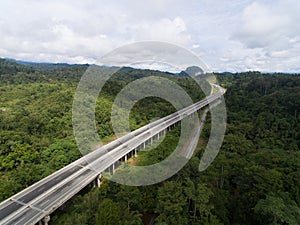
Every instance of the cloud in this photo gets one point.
(58, 30)
(227, 35)
(165, 29)
(269, 26)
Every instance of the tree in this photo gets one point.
(278, 209)
(130, 196)
(108, 213)
(171, 204)
(201, 198)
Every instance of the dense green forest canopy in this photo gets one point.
(36, 117)
(255, 178)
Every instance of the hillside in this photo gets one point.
(255, 178)
(36, 118)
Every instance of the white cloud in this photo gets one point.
(165, 29)
(49, 29)
(264, 26)
(227, 35)
(271, 28)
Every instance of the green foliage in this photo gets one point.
(278, 209)
(255, 178)
(108, 213)
(171, 204)
(260, 156)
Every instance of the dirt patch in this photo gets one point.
(133, 160)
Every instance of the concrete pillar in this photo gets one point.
(113, 168)
(40, 223)
(135, 152)
(126, 158)
(46, 220)
(98, 180)
(144, 145)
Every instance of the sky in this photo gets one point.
(227, 35)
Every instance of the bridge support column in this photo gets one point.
(135, 152)
(46, 219)
(162, 133)
(126, 158)
(98, 180)
(113, 168)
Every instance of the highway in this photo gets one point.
(42, 198)
(195, 139)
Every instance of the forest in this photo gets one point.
(255, 179)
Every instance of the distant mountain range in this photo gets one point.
(190, 71)
(44, 66)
